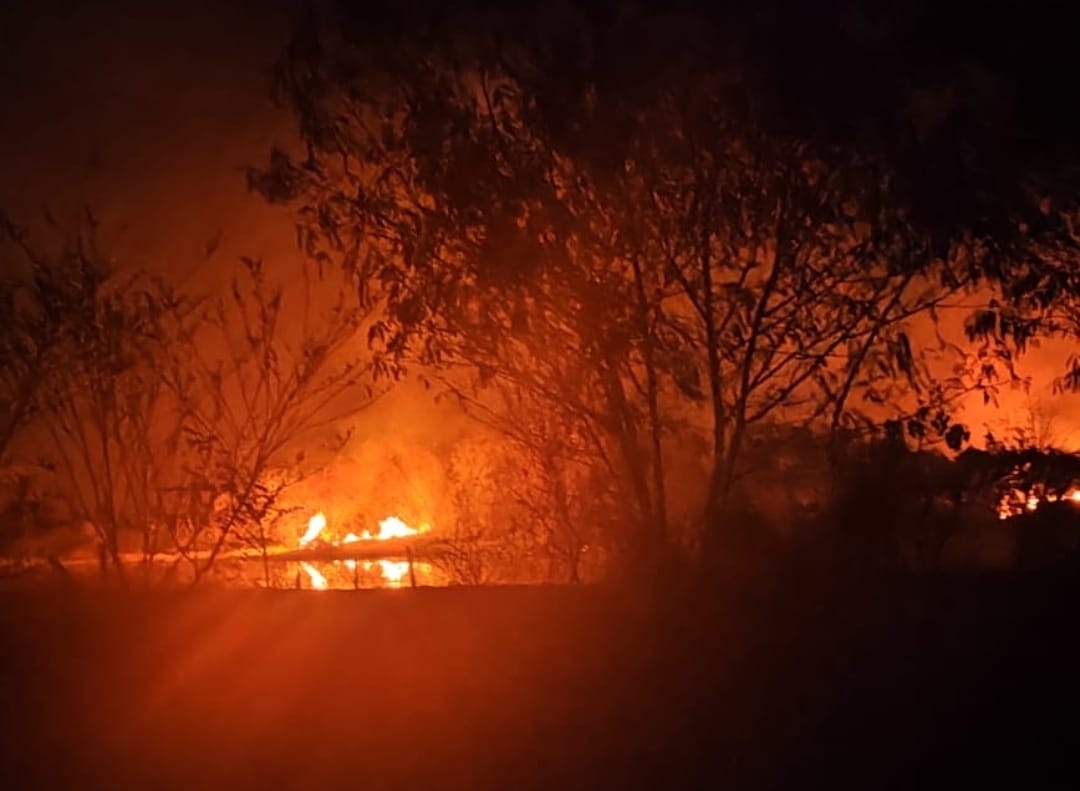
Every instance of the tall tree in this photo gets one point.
(605, 214)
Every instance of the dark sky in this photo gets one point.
(144, 111)
(143, 90)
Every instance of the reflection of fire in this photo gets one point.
(318, 581)
(392, 571)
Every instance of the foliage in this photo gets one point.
(593, 221)
(1039, 295)
(525, 500)
(93, 345)
(41, 296)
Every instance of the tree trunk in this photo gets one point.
(652, 393)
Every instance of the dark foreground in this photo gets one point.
(960, 684)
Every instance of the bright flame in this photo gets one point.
(318, 581)
(315, 526)
(392, 527)
(392, 571)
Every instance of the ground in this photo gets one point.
(959, 682)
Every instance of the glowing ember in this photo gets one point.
(315, 526)
(318, 581)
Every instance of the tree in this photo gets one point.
(464, 220)
(97, 392)
(177, 420)
(253, 396)
(1038, 297)
(598, 217)
(38, 295)
(543, 485)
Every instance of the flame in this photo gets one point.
(1016, 502)
(393, 527)
(392, 571)
(315, 526)
(318, 581)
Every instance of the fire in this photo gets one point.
(315, 526)
(1017, 503)
(392, 527)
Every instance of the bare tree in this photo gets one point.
(38, 296)
(109, 422)
(254, 399)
